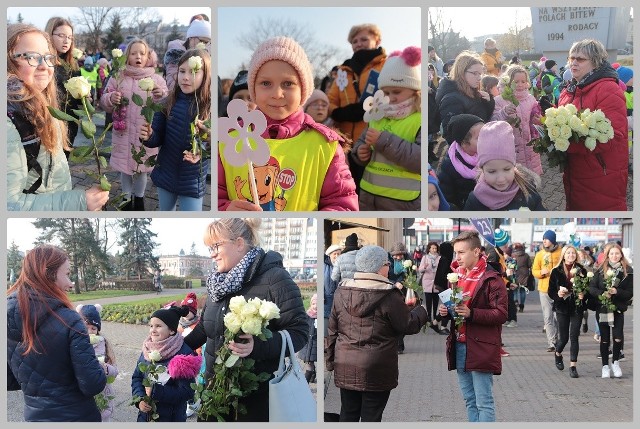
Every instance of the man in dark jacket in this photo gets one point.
(330, 285)
(473, 347)
(361, 348)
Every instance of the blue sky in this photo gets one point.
(400, 28)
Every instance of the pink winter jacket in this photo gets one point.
(338, 191)
(526, 110)
(127, 84)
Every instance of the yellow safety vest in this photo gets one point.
(92, 76)
(294, 184)
(384, 178)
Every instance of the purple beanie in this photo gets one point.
(287, 50)
(496, 141)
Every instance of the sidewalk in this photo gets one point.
(80, 180)
(530, 388)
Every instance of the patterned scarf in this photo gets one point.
(400, 110)
(219, 285)
(573, 84)
(491, 197)
(464, 163)
(167, 347)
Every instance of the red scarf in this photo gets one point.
(469, 281)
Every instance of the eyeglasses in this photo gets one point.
(579, 60)
(475, 74)
(215, 247)
(35, 59)
(64, 36)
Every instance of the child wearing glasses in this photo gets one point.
(38, 176)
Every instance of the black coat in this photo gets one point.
(624, 289)
(456, 189)
(452, 102)
(567, 306)
(60, 381)
(444, 266)
(309, 352)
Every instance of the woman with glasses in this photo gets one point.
(60, 31)
(245, 269)
(460, 92)
(596, 179)
(38, 176)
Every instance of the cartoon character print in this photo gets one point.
(266, 185)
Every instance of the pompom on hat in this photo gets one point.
(501, 237)
(282, 49)
(91, 314)
(191, 301)
(496, 141)
(402, 69)
(370, 259)
(199, 28)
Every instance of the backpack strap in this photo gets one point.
(30, 144)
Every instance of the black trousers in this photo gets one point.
(606, 332)
(431, 301)
(512, 309)
(362, 406)
(569, 330)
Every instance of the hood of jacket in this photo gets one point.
(371, 289)
(445, 87)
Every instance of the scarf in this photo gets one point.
(138, 72)
(432, 260)
(219, 285)
(463, 163)
(313, 313)
(522, 95)
(167, 347)
(469, 282)
(400, 110)
(186, 323)
(398, 268)
(491, 197)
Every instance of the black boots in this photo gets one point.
(310, 376)
(138, 204)
(573, 372)
(559, 363)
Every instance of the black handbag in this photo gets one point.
(531, 282)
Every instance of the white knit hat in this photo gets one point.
(199, 28)
(402, 69)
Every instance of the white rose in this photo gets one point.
(452, 277)
(251, 308)
(201, 46)
(590, 143)
(565, 132)
(77, 53)
(571, 108)
(599, 115)
(610, 273)
(575, 123)
(236, 303)
(572, 280)
(589, 275)
(551, 112)
(554, 133)
(407, 264)
(79, 87)
(155, 355)
(233, 322)
(590, 120)
(116, 53)
(414, 268)
(562, 145)
(252, 325)
(573, 271)
(195, 63)
(146, 84)
(268, 310)
(550, 121)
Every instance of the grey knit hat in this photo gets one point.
(398, 249)
(370, 259)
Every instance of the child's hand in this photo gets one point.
(238, 205)
(364, 153)
(442, 310)
(144, 407)
(190, 157)
(242, 349)
(372, 136)
(485, 95)
(145, 132)
(157, 92)
(147, 390)
(96, 198)
(116, 97)
(509, 109)
(204, 130)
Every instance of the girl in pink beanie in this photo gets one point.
(307, 169)
(501, 184)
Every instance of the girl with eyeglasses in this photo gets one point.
(460, 92)
(38, 176)
(60, 31)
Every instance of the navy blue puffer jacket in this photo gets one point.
(60, 381)
(173, 136)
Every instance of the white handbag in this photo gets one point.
(290, 398)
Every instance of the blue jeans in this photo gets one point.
(476, 388)
(521, 295)
(167, 202)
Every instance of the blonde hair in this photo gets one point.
(371, 28)
(463, 61)
(417, 104)
(562, 254)
(233, 228)
(513, 70)
(592, 49)
(146, 46)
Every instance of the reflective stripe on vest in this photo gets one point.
(384, 178)
(294, 182)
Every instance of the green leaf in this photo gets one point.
(137, 100)
(88, 128)
(103, 161)
(59, 114)
(79, 154)
(80, 113)
(147, 112)
(231, 361)
(90, 108)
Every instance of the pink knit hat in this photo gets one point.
(316, 95)
(496, 141)
(287, 50)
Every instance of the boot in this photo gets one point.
(521, 308)
(308, 375)
(138, 204)
(127, 206)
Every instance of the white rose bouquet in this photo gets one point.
(580, 283)
(233, 376)
(610, 281)
(565, 125)
(411, 281)
(153, 373)
(457, 297)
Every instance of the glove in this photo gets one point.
(349, 113)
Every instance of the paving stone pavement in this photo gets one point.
(80, 179)
(530, 388)
(127, 342)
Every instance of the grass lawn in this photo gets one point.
(100, 294)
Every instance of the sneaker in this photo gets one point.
(585, 328)
(606, 372)
(512, 324)
(621, 358)
(551, 349)
(503, 352)
(596, 337)
(559, 363)
(573, 372)
(615, 367)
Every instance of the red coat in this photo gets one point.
(484, 329)
(598, 180)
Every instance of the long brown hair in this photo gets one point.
(34, 102)
(203, 93)
(623, 261)
(464, 60)
(52, 25)
(35, 285)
